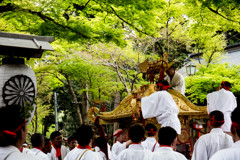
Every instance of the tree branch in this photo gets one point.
(128, 22)
(215, 11)
(12, 7)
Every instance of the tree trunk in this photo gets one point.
(74, 99)
(85, 107)
(36, 121)
(45, 125)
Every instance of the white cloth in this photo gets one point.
(149, 144)
(177, 82)
(117, 148)
(225, 102)
(210, 143)
(26, 150)
(103, 155)
(76, 153)
(134, 152)
(232, 153)
(165, 153)
(64, 152)
(13, 153)
(109, 152)
(161, 105)
(38, 153)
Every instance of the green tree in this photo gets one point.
(208, 79)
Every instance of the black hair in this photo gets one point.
(37, 139)
(166, 136)
(226, 84)
(11, 118)
(101, 142)
(136, 133)
(150, 128)
(216, 118)
(71, 138)
(55, 134)
(84, 134)
(164, 82)
(236, 119)
(47, 141)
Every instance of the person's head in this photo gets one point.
(151, 129)
(56, 138)
(120, 135)
(48, 146)
(136, 133)
(162, 85)
(13, 126)
(226, 85)
(167, 136)
(72, 142)
(84, 135)
(170, 71)
(101, 142)
(38, 141)
(235, 129)
(216, 119)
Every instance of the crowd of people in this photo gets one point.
(139, 142)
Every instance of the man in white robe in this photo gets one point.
(38, 144)
(167, 138)
(84, 135)
(135, 151)
(232, 153)
(224, 101)
(150, 143)
(214, 141)
(176, 80)
(13, 134)
(161, 105)
(121, 143)
(58, 151)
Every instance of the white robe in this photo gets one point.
(64, 152)
(165, 153)
(149, 144)
(232, 153)
(161, 105)
(76, 153)
(117, 148)
(210, 143)
(13, 153)
(177, 82)
(103, 155)
(225, 102)
(38, 153)
(134, 152)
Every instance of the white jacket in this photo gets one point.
(232, 153)
(134, 152)
(210, 143)
(64, 152)
(161, 105)
(13, 153)
(225, 102)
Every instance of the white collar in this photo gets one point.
(136, 147)
(164, 149)
(216, 130)
(236, 144)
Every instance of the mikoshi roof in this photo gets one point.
(23, 45)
